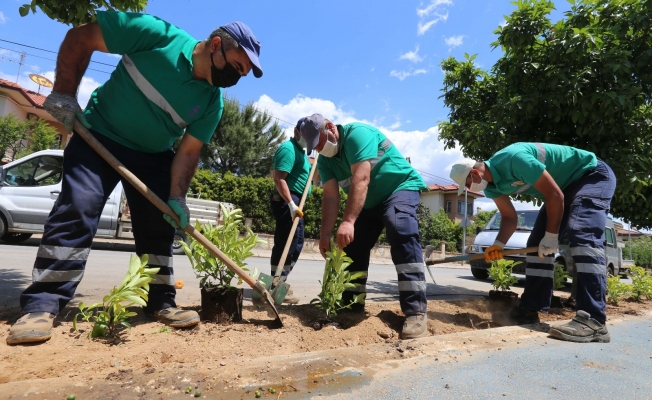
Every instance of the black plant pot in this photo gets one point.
(221, 305)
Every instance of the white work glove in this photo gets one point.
(65, 109)
(294, 210)
(548, 245)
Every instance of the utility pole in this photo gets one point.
(20, 64)
(630, 239)
(465, 221)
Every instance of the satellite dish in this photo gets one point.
(40, 81)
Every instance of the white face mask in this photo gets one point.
(478, 187)
(329, 150)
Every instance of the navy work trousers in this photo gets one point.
(586, 203)
(398, 215)
(283, 218)
(88, 180)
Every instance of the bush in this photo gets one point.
(560, 277)
(641, 250)
(616, 289)
(501, 273)
(641, 283)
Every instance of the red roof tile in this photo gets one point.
(34, 98)
(450, 188)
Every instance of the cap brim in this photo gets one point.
(255, 64)
(460, 190)
(310, 146)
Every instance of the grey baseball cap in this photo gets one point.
(310, 131)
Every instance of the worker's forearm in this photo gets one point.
(555, 212)
(74, 55)
(184, 166)
(355, 201)
(507, 228)
(330, 208)
(283, 189)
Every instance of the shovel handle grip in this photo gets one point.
(480, 256)
(160, 204)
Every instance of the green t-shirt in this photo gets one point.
(151, 97)
(291, 158)
(516, 168)
(390, 171)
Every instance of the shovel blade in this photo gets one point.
(256, 298)
(279, 293)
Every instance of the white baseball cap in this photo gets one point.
(460, 171)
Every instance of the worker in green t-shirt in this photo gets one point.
(383, 192)
(576, 188)
(166, 87)
(291, 171)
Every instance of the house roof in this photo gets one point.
(35, 99)
(625, 232)
(451, 188)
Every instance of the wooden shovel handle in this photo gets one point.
(480, 256)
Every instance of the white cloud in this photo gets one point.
(3, 18)
(423, 147)
(432, 14)
(402, 75)
(412, 56)
(454, 41)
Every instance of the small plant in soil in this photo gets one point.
(560, 277)
(215, 278)
(616, 289)
(501, 273)
(641, 283)
(112, 313)
(336, 280)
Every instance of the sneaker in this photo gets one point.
(516, 316)
(31, 328)
(416, 326)
(290, 298)
(581, 329)
(177, 318)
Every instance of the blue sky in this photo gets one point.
(376, 62)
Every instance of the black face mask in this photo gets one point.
(227, 76)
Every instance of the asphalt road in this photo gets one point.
(106, 268)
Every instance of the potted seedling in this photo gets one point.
(559, 282)
(501, 273)
(221, 302)
(335, 281)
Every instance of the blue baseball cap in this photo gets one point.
(246, 39)
(299, 123)
(310, 131)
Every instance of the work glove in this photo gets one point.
(494, 252)
(295, 210)
(548, 245)
(178, 205)
(65, 109)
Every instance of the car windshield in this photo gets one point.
(525, 220)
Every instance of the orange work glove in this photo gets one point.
(494, 252)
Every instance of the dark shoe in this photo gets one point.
(416, 326)
(31, 328)
(177, 318)
(516, 316)
(581, 329)
(290, 298)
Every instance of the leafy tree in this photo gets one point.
(42, 136)
(78, 12)
(481, 219)
(12, 132)
(244, 142)
(641, 250)
(584, 81)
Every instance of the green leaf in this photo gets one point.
(24, 10)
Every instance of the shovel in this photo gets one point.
(161, 205)
(280, 289)
(480, 256)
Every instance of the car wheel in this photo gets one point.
(610, 270)
(480, 273)
(15, 237)
(179, 237)
(3, 226)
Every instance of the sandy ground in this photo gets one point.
(70, 358)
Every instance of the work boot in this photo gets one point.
(516, 316)
(31, 328)
(290, 298)
(177, 318)
(415, 326)
(581, 329)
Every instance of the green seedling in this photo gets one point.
(188, 389)
(164, 329)
(112, 313)
(501, 273)
(336, 280)
(616, 289)
(258, 394)
(560, 277)
(272, 390)
(71, 397)
(641, 283)
(198, 394)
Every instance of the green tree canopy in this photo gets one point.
(244, 142)
(12, 132)
(78, 12)
(584, 81)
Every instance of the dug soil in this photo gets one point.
(224, 350)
